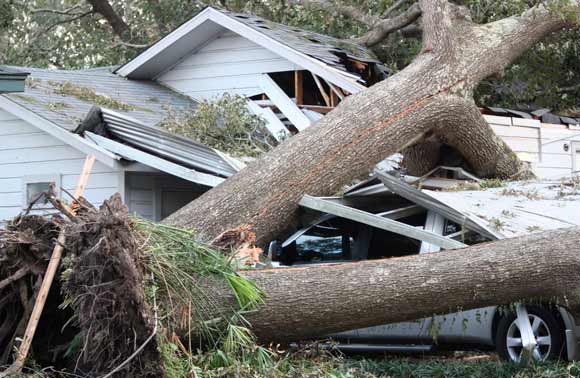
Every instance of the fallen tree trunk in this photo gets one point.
(312, 301)
(422, 102)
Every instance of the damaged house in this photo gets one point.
(291, 78)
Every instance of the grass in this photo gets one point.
(324, 365)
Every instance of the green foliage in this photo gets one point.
(178, 264)
(6, 14)
(323, 365)
(225, 124)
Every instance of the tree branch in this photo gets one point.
(387, 26)
(509, 38)
(66, 12)
(119, 26)
(393, 8)
(66, 21)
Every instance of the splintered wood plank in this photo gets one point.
(298, 88)
(321, 89)
(284, 103)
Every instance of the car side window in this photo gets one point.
(310, 248)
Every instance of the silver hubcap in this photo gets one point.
(541, 333)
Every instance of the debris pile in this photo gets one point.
(127, 293)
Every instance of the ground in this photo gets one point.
(438, 365)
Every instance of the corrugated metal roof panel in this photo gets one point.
(174, 148)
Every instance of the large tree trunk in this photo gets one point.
(432, 96)
(312, 301)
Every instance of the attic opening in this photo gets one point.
(306, 90)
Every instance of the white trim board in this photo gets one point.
(156, 162)
(342, 79)
(109, 159)
(273, 124)
(284, 103)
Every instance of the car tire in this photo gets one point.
(549, 334)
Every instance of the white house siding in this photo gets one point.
(553, 150)
(229, 63)
(27, 151)
(154, 196)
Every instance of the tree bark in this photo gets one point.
(428, 96)
(313, 301)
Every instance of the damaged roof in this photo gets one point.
(510, 210)
(65, 97)
(543, 115)
(329, 50)
(332, 59)
(158, 142)
(520, 208)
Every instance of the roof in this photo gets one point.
(65, 97)
(329, 50)
(543, 115)
(520, 208)
(322, 55)
(513, 209)
(158, 142)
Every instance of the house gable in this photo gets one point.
(228, 63)
(209, 24)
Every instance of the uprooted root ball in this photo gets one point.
(104, 284)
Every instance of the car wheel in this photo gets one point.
(547, 331)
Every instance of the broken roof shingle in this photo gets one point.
(329, 50)
(142, 99)
(543, 115)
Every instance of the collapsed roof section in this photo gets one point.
(154, 147)
(337, 53)
(446, 216)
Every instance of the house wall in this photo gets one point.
(27, 151)
(229, 63)
(154, 196)
(553, 150)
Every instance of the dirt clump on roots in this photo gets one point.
(97, 320)
(104, 282)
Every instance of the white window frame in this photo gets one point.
(37, 179)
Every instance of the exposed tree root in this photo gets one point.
(96, 315)
(105, 284)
